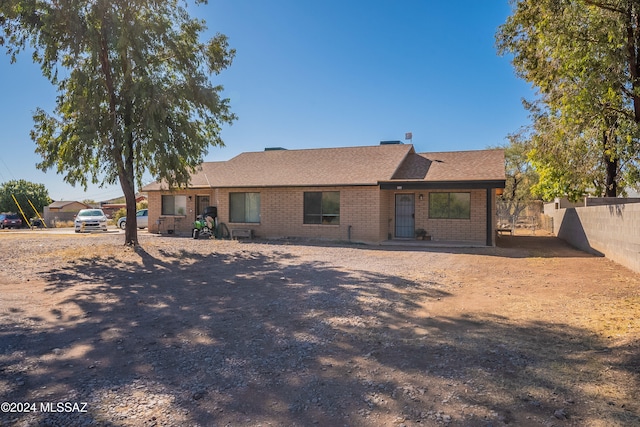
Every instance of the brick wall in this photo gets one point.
(473, 229)
(281, 213)
(179, 224)
(366, 214)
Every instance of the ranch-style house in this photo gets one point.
(362, 194)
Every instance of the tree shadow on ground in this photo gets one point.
(518, 246)
(186, 338)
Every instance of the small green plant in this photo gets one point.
(119, 214)
(421, 234)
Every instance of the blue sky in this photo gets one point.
(330, 73)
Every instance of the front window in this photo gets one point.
(174, 205)
(244, 207)
(322, 207)
(450, 205)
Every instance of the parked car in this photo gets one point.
(142, 219)
(90, 219)
(36, 222)
(10, 221)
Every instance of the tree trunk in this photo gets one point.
(633, 38)
(127, 182)
(127, 179)
(611, 188)
(611, 165)
(131, 229)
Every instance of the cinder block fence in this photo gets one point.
(612, 230)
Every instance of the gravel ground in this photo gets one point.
(291, 333)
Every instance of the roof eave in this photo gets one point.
(442, 185)
(298, 185)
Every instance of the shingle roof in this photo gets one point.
(63, 203)
(368, 165)
(477, 165)
(323, 167)
(312, 167)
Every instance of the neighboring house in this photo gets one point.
(367, 194)
(67, 206)
(62, 211)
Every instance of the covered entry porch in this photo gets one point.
(457, 213)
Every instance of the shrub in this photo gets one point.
(119, 214)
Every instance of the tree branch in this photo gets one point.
(605, 6)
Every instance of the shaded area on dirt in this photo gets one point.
(248, 337)
(541, 246)
(516, 246)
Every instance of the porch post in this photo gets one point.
(489, 218)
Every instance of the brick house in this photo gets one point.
(365, 194)
(62, 211)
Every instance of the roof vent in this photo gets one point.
(274, 148)
(390, 142)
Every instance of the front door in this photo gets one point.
(405, 215)
(201, 203)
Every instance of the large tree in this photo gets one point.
(520, 174)
(582, 56)
(134, 86)
(575, 160)
(28, 194)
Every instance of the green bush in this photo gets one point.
(119, 214)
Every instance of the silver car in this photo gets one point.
(142, 219)
(90, 219)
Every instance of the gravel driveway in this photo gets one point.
(182, 332)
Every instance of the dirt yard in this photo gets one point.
(213, 333)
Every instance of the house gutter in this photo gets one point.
(442, 185)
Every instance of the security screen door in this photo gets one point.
(201, 203)
(405, 215)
